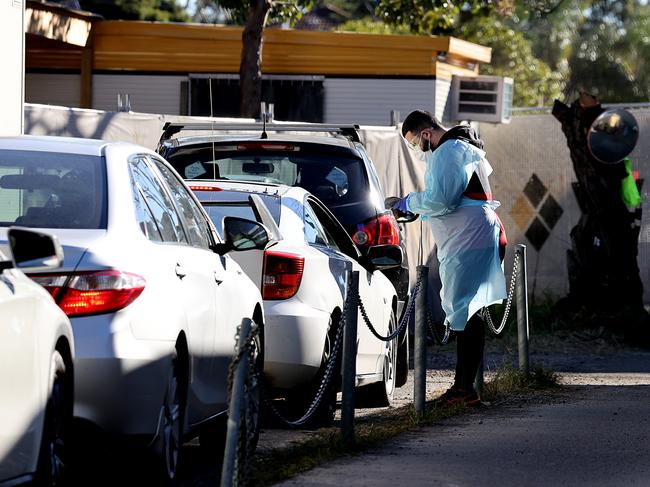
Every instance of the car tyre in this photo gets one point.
(167, 447)
(380, 394)
(301, 398)
(56, 425)
(402, 367)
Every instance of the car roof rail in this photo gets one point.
(172, 128)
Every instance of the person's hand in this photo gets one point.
(400, 205)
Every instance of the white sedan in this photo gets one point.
(36, 352)
(302, 276)
(153, 297)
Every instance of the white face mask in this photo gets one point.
(418, 153)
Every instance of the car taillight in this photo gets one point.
(281, 275)
(382, 230)
(91, 293)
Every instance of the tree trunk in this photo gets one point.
(250, 69)
(603, 271)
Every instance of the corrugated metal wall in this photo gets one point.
(53, 89)
(532, 179)
(370, 101)
(442, 103)
(149, 94)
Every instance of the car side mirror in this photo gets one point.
(400, 216)
(382, 257)
(32, 250)
(242, 234)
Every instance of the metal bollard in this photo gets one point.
(522, 309)
(350, 361)
(420, 346)
(237, 400)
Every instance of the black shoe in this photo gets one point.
(455, 396)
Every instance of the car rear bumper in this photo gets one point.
(294, 342)
(120, 381)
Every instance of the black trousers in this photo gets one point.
(469, 352)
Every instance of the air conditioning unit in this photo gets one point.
(481, 98)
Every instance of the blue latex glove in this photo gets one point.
(400, 205)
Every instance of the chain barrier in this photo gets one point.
(402, 324)
(486, 312)
(328, 375)
(511, 292)
(247, 427)
(432, 328)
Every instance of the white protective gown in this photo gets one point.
(466, 231)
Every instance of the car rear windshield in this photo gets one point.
(334, 179)
(52, 190)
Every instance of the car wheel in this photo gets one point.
(301, 398)
(402, 370)
(167, 446)
(380, 394)
(253, 389)
(58, 416)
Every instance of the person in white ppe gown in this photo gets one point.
(457, 202)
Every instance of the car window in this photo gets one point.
(217, 212)
(314, 233)
(52, 190)
(336, 235)
(334, 179)
(196, 225)
(372, 173)
(144, 216)
(157, 200)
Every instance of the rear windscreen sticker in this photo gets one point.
(194, 170)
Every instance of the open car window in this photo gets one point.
(335, 233)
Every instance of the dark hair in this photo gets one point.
(419, 120)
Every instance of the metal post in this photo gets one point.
(350, 361)
(237, 401)
(420, 346)
(394, 117)
(522, 308)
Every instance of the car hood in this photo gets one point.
(74, 243)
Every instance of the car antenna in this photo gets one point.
(214, 162)
(263, 110)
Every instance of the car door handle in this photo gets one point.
(180, 271)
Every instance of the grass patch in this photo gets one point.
(328, 444)
(509, 380)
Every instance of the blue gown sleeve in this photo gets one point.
(446, 178)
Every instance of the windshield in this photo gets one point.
(333, 179)
(52, 190)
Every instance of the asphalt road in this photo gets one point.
(596, 432)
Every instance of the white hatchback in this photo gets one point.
(302, 276)
(36, 353)
(153, 298)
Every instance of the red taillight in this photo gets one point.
(378, 231)
(205, 188)
(266, 146)
(281, 275)
(91, 293)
